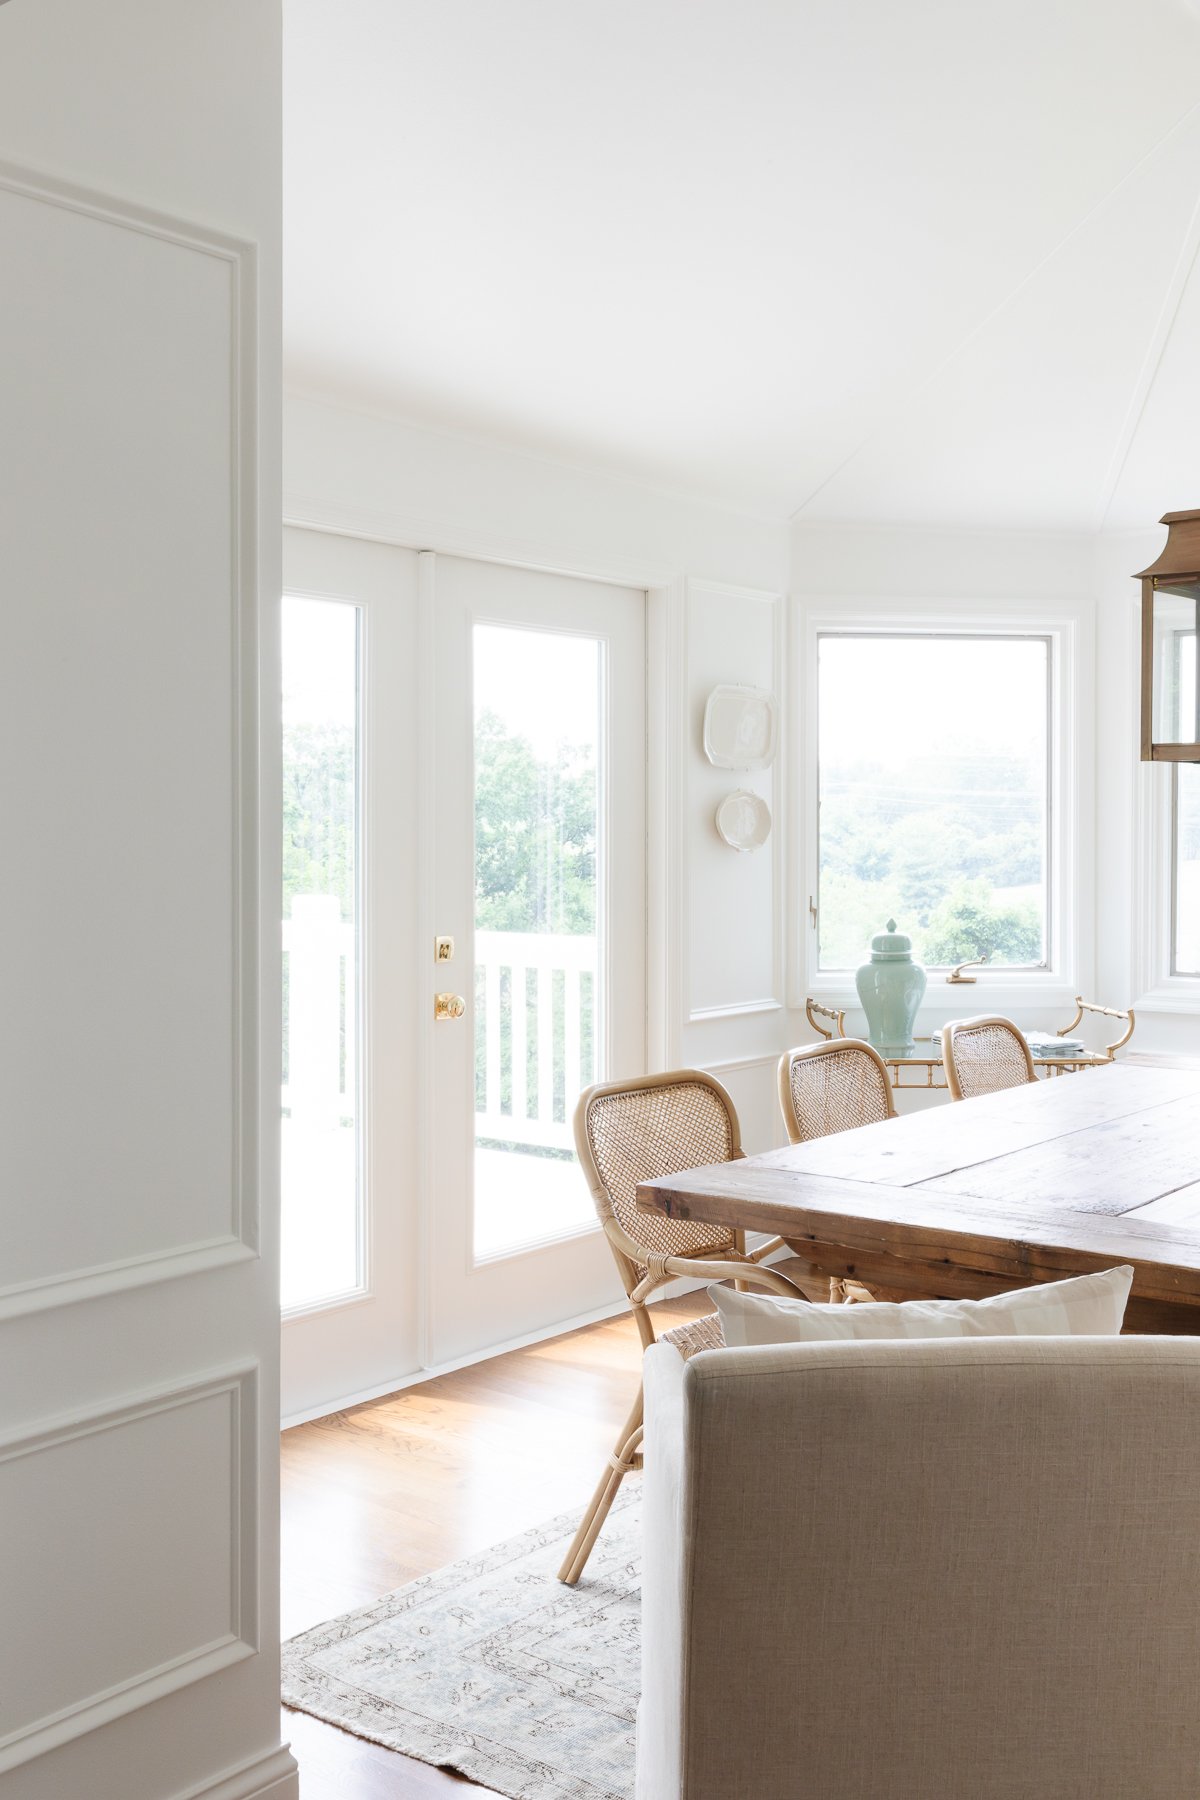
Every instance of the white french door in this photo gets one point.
(349, 1287)
(537, 732)
(463, 758)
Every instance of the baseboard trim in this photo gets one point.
(273, 1776)
(398, 1383)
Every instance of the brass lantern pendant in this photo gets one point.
(1170, 635)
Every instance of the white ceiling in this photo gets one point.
(843, 258)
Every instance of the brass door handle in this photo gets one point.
(448, 1006)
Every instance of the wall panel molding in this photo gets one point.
(239, 1638)
(238, 259)
(692, 757)
(114, 1278)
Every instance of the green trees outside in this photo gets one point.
(535, 835)
(933, 842)
(926, 841)
(535, 827)
(318, 814)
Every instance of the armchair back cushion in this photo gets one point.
(894, 1571)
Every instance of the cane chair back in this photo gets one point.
(635, 1131)
(833, 1086)
(984, 1055)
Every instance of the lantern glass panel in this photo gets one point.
(1176, 714)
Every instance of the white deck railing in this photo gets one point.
(322, 1021)
(509, 1028)
(322, 1025)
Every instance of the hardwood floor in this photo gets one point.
(388, 1491)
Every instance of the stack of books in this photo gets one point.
(1041, 1043)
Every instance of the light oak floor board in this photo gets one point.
(378, 1495)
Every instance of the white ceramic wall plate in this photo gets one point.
(740, 728)
(744, 820)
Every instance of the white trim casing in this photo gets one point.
(666, 821)
(1070, 627)
(1157, 988)
(272, 1776)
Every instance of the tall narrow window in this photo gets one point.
(321, 1159)
(1185, 935)
(538, 931)
(934, 789)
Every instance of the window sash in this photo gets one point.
(900, 631)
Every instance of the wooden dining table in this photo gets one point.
(1031, 1184)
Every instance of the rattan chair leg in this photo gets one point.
(619, 1465)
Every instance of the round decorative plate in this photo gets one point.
(744, 820)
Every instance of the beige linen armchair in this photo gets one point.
(988, 1589)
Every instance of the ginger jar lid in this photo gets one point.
(891, 945)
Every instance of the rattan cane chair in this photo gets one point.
(984, 1055)
(632, 1131)
(833, 1086)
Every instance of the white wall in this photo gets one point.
(139, 509)
(378, 477)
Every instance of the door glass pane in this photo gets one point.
(537, 987)
(934, 772)
(321, 1160)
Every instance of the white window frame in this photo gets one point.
(1070, 950)
(1158, 988)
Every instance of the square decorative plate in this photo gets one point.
(740, 728)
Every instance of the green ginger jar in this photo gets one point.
(890, 989)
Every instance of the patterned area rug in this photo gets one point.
(493, 1668)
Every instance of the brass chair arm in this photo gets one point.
(1106, 1012)
(836, 1019)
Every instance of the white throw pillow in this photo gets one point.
(1084, 1306)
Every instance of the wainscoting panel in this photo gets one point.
(753, 1085)
(130, 985)
(734, 636)
(142, 1499)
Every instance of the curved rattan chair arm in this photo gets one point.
(694, 1268)
(767, 1249)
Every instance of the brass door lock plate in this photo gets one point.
(448, 1006)
(443, 949)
